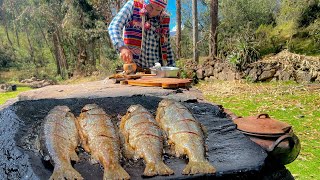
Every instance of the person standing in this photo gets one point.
(144, 25)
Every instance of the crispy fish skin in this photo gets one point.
(60, 139)
(185, 135)
(142, 138)
(98, 137)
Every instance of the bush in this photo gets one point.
(6, 58)
(244, 54)
(314, 31)
(268, 41)
(310, 14)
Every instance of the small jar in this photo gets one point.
(130, 68)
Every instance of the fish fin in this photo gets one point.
(65, 172)
(137, 156)
(46, 158)
(204, 130)
(83, 137)
(119, 117)
(74, 156)
(169, 150)
(128, 152)
(116, 172)
(198, 167)
(93, 161)
(159, 168)
(84, 142)
(123, 121)
(86, 147)
(179, 150)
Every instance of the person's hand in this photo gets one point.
(126, 55)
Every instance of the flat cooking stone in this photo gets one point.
(229, 150)
(233, 155)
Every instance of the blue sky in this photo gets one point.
(172, 10)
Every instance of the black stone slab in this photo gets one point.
(230, 152)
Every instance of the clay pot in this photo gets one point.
(274, 136)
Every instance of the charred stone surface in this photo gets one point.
(233, 155)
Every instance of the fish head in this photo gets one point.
(166, 102)
(136, 108)
(89, 107)
(61, 109)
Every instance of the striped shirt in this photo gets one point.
(150, 51)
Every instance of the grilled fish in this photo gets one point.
(185, 135)
(59, 141)
(99, 138)
(142, 138)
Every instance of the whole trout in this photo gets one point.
(142, 138)
(59, 141)
(185, 135)
(99, 138)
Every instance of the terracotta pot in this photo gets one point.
(274, 136)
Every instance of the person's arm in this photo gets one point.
(170, 59)
(118, 22)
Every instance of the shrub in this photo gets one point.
(6, 58)
(244, 54)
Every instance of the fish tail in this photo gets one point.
(74, 156)
(159, 168)
(199, 167)
(65, 173)
(117, 172)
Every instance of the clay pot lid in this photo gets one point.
(262, 125)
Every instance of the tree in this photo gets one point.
(178, 33)
(195, 30)
(5, 22)
(213, 27)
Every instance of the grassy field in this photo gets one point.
(296, 104)
(8, 95)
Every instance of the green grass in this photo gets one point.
(8, 95)
(298, 105)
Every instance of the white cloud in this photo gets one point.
(174, 29)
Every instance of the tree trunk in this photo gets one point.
(62, 65)
(62, 55)
(82, 54)
(178, 33)
(195, 30)
(56, 52)
(15, 26)
(46, 40)
(213, 28)
(118, 5)
(93, 59)
(4, 17)
(82, 59)
(31, 49)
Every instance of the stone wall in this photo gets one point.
(284, 66)
(276, 71)
(214, 69)
(7, 87)
(37, 83)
